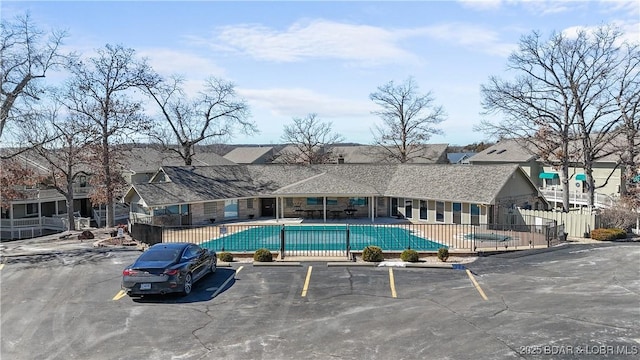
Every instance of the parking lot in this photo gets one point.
(573, 301)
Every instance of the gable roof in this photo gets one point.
(248, 154)
(455, 158)
(506, 151)
(477, 184)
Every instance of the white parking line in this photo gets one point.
(1, 266)
(224, 284)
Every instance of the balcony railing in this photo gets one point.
(579, 198)
(79, 192)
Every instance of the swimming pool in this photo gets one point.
(322, 237)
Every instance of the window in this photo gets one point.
(475, 214)
(394, 206)
(210, 208)
(332, 201)
(32, 209)
(249, 203)
(230, 209)
(408, 208)
(358, 201)
(424, 213)
(314, 201)
(439, 211)
(457, 213)
(173, 209)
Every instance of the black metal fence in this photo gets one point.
(342, 240)
(146, 233)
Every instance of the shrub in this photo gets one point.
(263, 255)
(409, 255)
(620, 215)
(443, 254)
(608, 234)
(225, 256)
(372, 254)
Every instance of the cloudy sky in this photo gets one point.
(289, 59)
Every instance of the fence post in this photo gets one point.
(348, 243)
(282, 243)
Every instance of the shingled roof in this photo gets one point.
(250, 154)
(505, 151)
(151, 158)
(478, 184)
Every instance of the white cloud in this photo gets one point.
(537, 7)
(472, 37)
(173, 61)
(298, 102)
(364, 44)
(630, 31)
(316, 39)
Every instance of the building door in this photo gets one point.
(408, 209)
(268, 207)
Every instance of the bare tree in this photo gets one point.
(627, 98)
(409, 120)
(557, 102)
(62, 142)
(311, 141)
(214, 114)
(27, 54)
(101, 93)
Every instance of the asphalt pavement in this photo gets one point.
(574, 301)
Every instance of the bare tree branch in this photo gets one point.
(408, 120)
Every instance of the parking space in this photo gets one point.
(569, 297)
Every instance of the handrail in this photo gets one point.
(580, 198)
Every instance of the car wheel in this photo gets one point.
(188, 284)
(213, 267)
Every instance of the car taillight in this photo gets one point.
(129, 272)
(171, 271)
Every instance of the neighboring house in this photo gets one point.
(509, 151)
(374, 154)
(142, 162)
(251, 155)
(607, 172)
(40, 209)
(459, 158)
(426, 193)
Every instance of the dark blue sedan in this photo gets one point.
(168, 268)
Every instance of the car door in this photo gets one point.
(199, 261)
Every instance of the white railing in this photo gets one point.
(140, 218)
(121, 213)
(579, 198)
(79, 192)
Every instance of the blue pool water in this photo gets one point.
(322, 237)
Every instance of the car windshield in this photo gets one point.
(159, 255)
